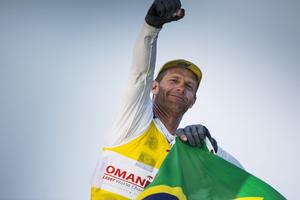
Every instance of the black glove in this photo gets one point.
(195, 135)
(164, 11)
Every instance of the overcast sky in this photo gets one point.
(63, 66)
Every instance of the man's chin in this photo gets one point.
(179, 107)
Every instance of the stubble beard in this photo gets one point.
(169, 105)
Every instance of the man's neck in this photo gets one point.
(169, 118)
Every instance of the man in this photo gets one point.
(145, 128)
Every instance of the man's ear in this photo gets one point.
(155, 87)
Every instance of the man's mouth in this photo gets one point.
(180, 98)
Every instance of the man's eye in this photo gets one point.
(190, 87)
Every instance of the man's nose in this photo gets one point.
(180, 88)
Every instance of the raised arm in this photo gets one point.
(135, 113)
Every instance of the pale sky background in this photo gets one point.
(64, 64)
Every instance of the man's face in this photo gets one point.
(176, 90)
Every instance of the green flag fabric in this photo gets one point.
(190, 173)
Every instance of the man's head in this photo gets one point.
(176, 85)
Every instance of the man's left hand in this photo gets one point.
(195, 135)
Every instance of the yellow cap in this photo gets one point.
(185, 64)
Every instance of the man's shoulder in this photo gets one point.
(228, 157)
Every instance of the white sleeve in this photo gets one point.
(136, 110)
(228, 157)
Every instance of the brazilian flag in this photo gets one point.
(190, 173)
